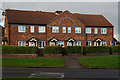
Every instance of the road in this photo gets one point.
(60, 73)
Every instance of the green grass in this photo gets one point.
(100, 62)
(29, 79)
(32, 62)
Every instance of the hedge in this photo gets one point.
(73, 49)
(52, 50)
(96, 49)
(8, 49)
(115, 48)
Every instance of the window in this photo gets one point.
(52, 43)
(41, 29)
(77, 30)
(21, 29)
(88, 30)
(55, 29)
(41, 44)
(78, 43)
(88, 43)
(95, 30)
(21, 43)
(69, 43)
(32, 29)
(103, 43)
(64, 29)
(69, 29)
(60, 43)
(103, 31)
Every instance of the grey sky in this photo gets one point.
(108, 9)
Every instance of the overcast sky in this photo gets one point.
(108, 9)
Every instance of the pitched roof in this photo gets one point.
(28, 17)
(39, 18)
(93, 20)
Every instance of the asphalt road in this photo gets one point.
(60, 73)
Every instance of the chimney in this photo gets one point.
(58, 12)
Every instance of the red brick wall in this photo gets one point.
(15, 35)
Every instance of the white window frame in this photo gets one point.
(77, 29)
(69, 43)
(69, 29)
(23, 43)
(95, 30)
(21, 28)
(89, 43)
(103, 30)
(42, 43)
(64, 30)
(41, 29)
(32, 29)
(78, 43)
(61, 43)
(55, 29)
(88, 30)
(52, 43)
(103, 43)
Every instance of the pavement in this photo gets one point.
(72, 62)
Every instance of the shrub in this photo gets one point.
(52, 50)
(95, 49)
(73, 49)
(8, 49)
(115, 48)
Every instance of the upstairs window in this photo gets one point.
(21, 43)
(55, 29)
(21, 28)
(103, 30)
(77, 29)
(69, 29)
(32, 29)
(41, 29)
(95, 30)
(64, 29)
(88, 30)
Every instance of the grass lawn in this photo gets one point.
(100, 62)
(32, 62)
(29, 79)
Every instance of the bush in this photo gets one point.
(52, 50)
(73, 49)
(96, 49)
(115, 48)
(8, 49)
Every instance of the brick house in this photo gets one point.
(37, 28)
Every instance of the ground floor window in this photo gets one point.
(21, 43)
(42, 44)
(103, 43)
(88, 43)
(32, 43)
(69, 43)
(78, 43)
(96, 44)
(60, 43)
(52, 43)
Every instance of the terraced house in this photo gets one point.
(62, 28)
